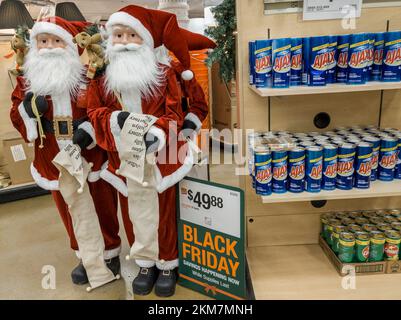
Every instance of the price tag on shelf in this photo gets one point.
(329, 9)
(211, 238)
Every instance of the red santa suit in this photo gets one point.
(156, 29)
(103, 110)
(43, 170)
(198, 109)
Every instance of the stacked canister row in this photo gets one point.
(317, 61)
(363, 236)
(343, 159)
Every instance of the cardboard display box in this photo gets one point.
(18, 156)
(361, 268)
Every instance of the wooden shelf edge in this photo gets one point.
(331, 88)
(377, 190)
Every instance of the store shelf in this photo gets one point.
(377, 189)
(332, 88)
(20, 192)
(304, 272)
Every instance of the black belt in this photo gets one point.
(61, 127)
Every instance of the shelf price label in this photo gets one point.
(211, 238)
(329, 9)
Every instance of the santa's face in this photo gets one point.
(49, 41)
(125, 35)
(132, 64)
(52, 67)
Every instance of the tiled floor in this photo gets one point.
(33, 239)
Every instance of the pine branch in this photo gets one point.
(223, 34)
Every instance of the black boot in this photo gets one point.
(114, 265)
(78, 275)
(144, 281)
(165, 283)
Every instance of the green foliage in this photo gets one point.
(223, 35)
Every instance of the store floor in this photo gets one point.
(33, 239)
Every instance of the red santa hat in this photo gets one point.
(197, 41)
(156, 28)
(66, 30)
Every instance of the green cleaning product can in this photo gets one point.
(347, 221)
(330, 227)
(362, 243)
(338, 229)
(392, 245)
(346, 247)
(324, 220)
(354, 228)
(369, 227)
(377, 241)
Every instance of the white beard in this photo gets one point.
(54, 71)
(133, 67)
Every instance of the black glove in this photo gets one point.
(151, 142)
(188, 128)
(82, 138)
(122, 117)
(41, 104)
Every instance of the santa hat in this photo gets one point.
(197, 41)
(156, 28)
(66, 30)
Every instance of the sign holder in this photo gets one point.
(211, 239)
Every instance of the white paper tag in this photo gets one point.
(18, 152)
(328, 9)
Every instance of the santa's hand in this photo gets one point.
(188, 128)
(82, 138)
(122, 117)
(151, 142)
(41, 105)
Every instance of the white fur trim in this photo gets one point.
(145, 263)
(187, 75)
(192, 117)
(30, 124)
(107, 254)
(94, 176)
(115, 128)
(43, 182)
(162, 55)
(163, 183)
(115, 181)
(167, 265)
(126, 19)
(62, 104)
(87, 127)
(159, 134)
(54, 29)
(112, 253)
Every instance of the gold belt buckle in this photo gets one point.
(63, 128)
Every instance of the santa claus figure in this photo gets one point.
(139, 80)
(49, 109)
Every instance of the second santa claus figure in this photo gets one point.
(139, 80)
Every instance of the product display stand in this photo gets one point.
(285, 259)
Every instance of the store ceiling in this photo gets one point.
(92, 9)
